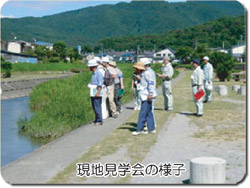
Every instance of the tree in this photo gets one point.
(184, 53)
(41, 52)
(60, 48)
(73, 54)
(223, 64)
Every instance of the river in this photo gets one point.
(15, 144)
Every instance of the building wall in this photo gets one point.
(239, 50)
(164, 53)
(14, 47)
(18, 59)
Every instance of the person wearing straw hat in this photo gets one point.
(167, 73)
(148, 93)
(118, 86)
(105, 113)
(197, 79)
(95, 86)
(208, 79)
(111, 87)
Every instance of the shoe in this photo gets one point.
(135, 108)
(136, 133)
(115, 115)
(98, 124)
(205, 101)
(199, 115)
(150, 132)
(170, 109)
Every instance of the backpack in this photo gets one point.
(108, 80)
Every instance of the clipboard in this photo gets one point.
(199, 94)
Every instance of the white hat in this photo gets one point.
(97, 59)
(105, 59)
(113, 63)
(145, 60)
(206, 58)
(92, 63)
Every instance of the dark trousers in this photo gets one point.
(117, 99)
(97, 107)
(146, 115)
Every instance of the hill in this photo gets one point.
(214, 33)
(89, 25)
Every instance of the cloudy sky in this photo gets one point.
(38, 8)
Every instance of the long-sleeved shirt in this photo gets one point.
(197, 77)
(148, 83)
(208, 72)
(167, 70)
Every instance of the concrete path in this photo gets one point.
(42, 164)
(177, 145)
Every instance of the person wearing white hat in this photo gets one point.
(119, 85)
(95, 86)
(148, 94)
(110, 86)
(208, 79)
(167, 73)
(105, 113)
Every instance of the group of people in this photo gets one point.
(107, 82)
(105, 88)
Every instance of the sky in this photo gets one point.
(38, 8)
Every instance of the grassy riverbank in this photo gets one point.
(27, 67)
(60, 106)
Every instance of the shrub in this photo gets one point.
(6, 67)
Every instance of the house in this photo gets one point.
(219, 50)
(17, 57)
(16, 46)
(238, 52)
(166, 52)
(46, 44)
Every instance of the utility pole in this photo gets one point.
(196, 44)
(138, 48)
(102, 49)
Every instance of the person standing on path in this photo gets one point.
(118, 86)
(148, 93)
(197, 79)
(167, 74)
(136, 89)
(208, 79)
(111, 87)
(105, 113)
(95, 86)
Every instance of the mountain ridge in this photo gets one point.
(92, 24)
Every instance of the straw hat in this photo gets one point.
(92, 63)
(139, 65)
(112, 63)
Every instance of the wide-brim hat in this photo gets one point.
(139, 65)
(112, 63)
(92, 63)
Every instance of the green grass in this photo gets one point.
(60, 106)
(27, 67)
